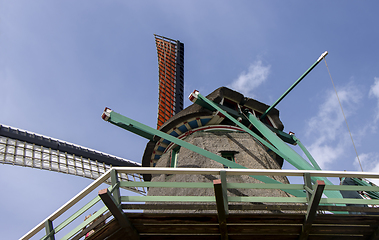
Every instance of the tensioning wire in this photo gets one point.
(351, 136)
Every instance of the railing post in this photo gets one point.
(49, 230)
(115, 184)
(308, 185)
(221, 203)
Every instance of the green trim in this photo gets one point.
(295, 159)
(212, 199)
(168, 199)
(85, 223)
(210, 185)
(349, 201)
(351, 188)
(311, 159)
(174, 156)
(168, 184)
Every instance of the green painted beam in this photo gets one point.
(245, 199)
(85, 223)
(309, 156)
(77, 214)
(294, 85)
(168, 199)
(210, 185)
(351, 188)
(278, 146)
(294, 158)
(212, 199)
(168, 184)
(127, 123)
(349, 201)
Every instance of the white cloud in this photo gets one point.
(374, 92)
(250, 80)
(328, 127)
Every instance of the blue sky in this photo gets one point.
(62, 62)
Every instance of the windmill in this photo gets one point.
(222, 134)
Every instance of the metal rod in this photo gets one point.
(294, 85)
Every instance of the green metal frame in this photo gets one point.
(294, 85)
(277, 145)
(136, 127)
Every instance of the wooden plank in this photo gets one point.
(348, 219)
(342, 230)
(124, 222)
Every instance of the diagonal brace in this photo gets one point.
(118, 214)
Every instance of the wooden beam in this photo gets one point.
(222, 208)
(312, 209)
(118, 214)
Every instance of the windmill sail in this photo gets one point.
(171, 77)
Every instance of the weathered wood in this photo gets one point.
(241, 226)
(313, 202)
(222, 207)
(118, 214)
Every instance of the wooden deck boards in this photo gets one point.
(241, 226)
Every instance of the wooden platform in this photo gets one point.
(241, 226)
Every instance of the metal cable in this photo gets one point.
(351, 136)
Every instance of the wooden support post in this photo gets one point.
(312, 209)
(49, 230)
(117, 213)
(115, 181)
(222, 206)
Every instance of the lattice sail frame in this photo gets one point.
(171, 77)
(21, 153)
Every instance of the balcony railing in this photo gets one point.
(114, 203)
